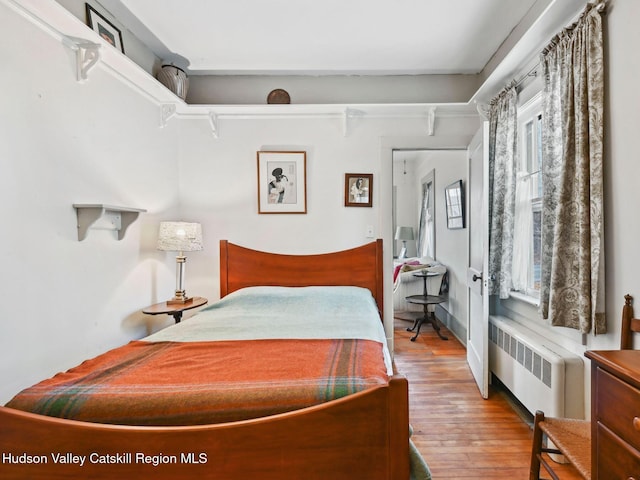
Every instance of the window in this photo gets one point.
(426, 231)
(528, 212)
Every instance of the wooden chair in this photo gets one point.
(572, 437)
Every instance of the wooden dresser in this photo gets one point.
(615, 414)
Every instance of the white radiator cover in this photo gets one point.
(541, 374)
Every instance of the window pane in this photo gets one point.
(528, 146)
(530, 162)
(536, 241)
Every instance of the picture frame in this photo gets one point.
(358, 189)
(103, 27)
(282, 182)
(454, 199)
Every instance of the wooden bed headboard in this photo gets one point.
(361, 266)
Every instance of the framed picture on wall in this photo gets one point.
(454, 198)
(282, 182)
(103, 27)
(358, 189)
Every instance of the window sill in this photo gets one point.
(525, 298)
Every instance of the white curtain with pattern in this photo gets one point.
(572, 290)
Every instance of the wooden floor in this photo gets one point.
(459, 434)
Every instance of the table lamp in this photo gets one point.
(180, 237)
(404, 234)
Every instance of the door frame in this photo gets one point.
(385, 189)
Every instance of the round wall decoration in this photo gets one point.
(278, 96)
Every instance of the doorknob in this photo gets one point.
(475, 277)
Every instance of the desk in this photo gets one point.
(175, 309)
(425, 300)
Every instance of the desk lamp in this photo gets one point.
(404, 234)
(180, 237)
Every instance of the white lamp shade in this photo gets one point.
(180, 237)
(404, 233)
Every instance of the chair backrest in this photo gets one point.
(629, 324)
(444, 284)
(435, 283)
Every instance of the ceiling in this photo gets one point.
(311, 37)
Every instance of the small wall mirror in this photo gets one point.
(454, 198)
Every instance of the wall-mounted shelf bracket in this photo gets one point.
(87, 55)
(104, 217)
(213, 123)
(484, 110)
(431, 120)
(167, 110)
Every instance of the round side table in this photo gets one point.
(174, 309)
(425, 300)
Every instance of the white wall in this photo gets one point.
(452, 246)
(218, 182)
(621, 165)
(62, 142)
(407, 200)
(327, 89)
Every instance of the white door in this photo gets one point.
(478, 321)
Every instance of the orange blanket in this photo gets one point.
(170, 383)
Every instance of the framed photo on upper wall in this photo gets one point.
(282, 182)
(103, 27)
(358, 189)
(454, 198)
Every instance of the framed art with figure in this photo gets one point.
(358, 189)
(103, 27)
(282, 182)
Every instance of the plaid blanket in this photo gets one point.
(175, 383)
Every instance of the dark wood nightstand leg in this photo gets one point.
(428, 317)
(415, 324)
(177, 316)
(436, 327)
(419, 321)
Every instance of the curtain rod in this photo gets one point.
(531, 73)
(599, 5)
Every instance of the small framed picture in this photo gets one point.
(358, 189)
(454, 198)
(282, 182)
(104, 28)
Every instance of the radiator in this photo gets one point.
(539, 373)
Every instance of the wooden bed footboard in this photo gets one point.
(364, 435)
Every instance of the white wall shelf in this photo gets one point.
(92, 52)
(104, 217)
(54, 19)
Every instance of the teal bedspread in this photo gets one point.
(259, 313)
(283, 312)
